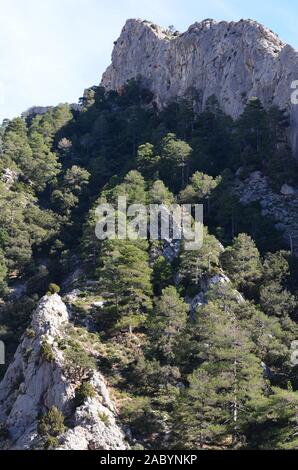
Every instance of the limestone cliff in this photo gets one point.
(281, 207)
(35, 382)
(232, 61)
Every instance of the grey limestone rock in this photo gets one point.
(232, 61)
(32, 385)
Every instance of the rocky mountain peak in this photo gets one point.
(232, 61)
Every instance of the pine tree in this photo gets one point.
(167, 323)
(175, 155)
(67, 196)
(147, 161)
(276, 266)
(253, 133)
(125, 277)
(133, 188)
(16, 148)
(160, 194)
(162, 274)
(45, 166)
(242, 262)
(227, 354)
(199, 189)
(194, 264)
(273, 423)
(277, 301)
(198, 420)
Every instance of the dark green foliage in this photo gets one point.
(167, 324)
(47, 351)
(54, 289)
(272, 424)
(222, 388)
(242, 262)
(79, 364)
(212, 155)
(125, 283)
(276, 266)
(50, 427)
(174, 161)
(194, 264)
(276, 301)
(198, 417)
(147, 161)
(162, 274)
(3, 273)
(86, 390)
(253, 131)
(104, 418)
(216, 377)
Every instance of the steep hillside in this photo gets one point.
(150, 345)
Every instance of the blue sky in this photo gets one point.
(50, 50)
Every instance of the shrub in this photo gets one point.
(137, 413)
(104, 418)
(79, 364)
(46, 351)
(138, 447)
(51, 426)
(30, 333)
(51, 443)
(86, 390)
(62, 343)
(53, 289)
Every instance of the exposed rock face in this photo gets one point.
(41, 110)
(36, 111)
(9, 177)
(95, 425)
(232, 61)
(282, 208)
(33, 385)
(221, 280)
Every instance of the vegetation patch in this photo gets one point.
(50, 427)
(104, 418)
(47, 351)
(86, 390)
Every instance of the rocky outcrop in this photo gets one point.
(30, 113)
(282, 208)
(34, 383)
(95, 426)
(229, 60)
(36, 111)
(220, 280)
(8, 177)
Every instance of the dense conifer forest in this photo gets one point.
(216, 375)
